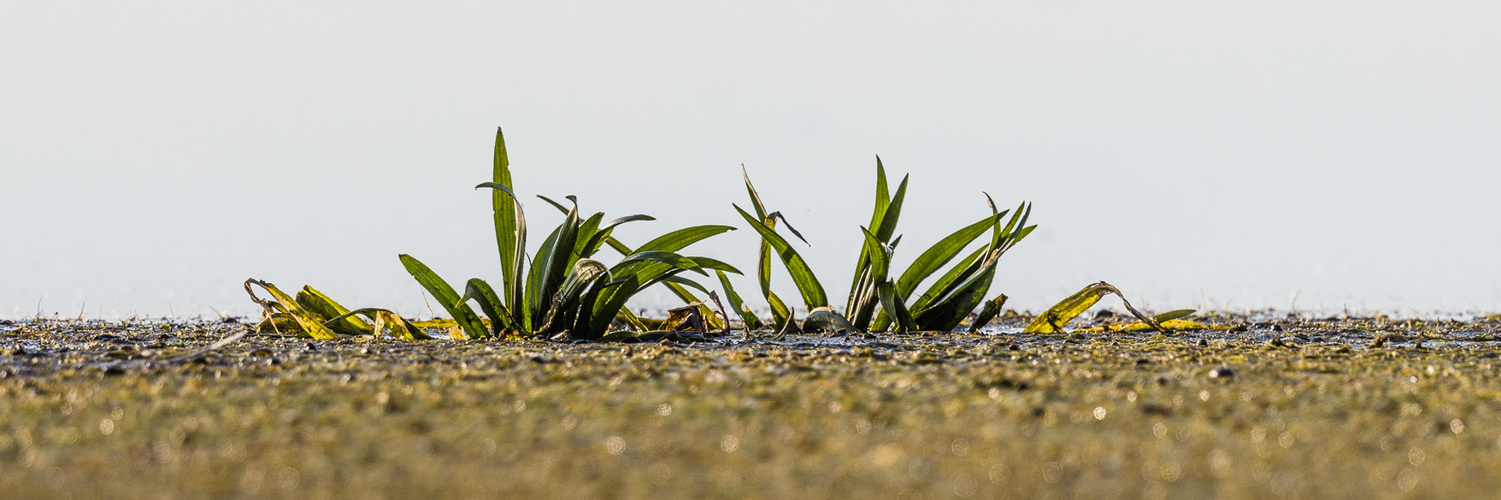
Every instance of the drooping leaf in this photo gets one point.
(643, 258)
(1060, 314)
(312, 325)
(317, 302)
(802, 276)
(489, 303)
(388, 321)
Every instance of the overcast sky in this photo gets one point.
(1230, 155)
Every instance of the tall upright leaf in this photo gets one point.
(508, 230)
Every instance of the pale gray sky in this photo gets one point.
(1233, 154)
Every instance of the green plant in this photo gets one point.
(807, 283)
(712, 320)
(564, 290)
(945, 304)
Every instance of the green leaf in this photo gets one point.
(946, 313)
(883, 201)
(755, 198)
(565, 303)
(582, 243)
(598, 238)
(947, 282)
(679, 280)
(865, 296)
(509, 230)
(895, 308)
(802, 276)
(445, 296)
(510, 237)
(750, 319)
(679, 239)
(551, 265)
(489, 303)
(708, 263)
(781, 315)
(641, 258)
(936, 256)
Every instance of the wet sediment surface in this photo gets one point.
(1272, 407)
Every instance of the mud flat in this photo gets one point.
(1336, 407)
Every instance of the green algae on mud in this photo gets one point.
(1273, 407)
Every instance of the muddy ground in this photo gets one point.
(1286, 407)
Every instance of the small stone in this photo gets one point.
(1222, 371)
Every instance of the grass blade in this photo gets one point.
(388, 321)
(946, 313)
(508, 225)
(936, 256)
(865, 296)
(325, 306)
(680, 239)
(510, 235)
(895, 309)
(565, 303)
(489, 303)
(597, 239)
(446, 296)
(1069, 308)
(751, 321)
(1172, 315)
(802, 276)
(312, 325)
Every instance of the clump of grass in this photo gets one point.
(946, 303)
(563, 292)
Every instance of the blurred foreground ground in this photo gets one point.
(1338, 407)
